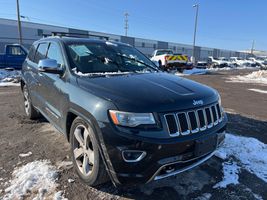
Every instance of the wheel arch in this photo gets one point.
(89, 118)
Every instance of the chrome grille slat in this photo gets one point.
(185, 121)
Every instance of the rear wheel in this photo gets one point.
(30, 111)
(85, 153)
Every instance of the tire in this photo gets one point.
(85, 154)
(30, 111)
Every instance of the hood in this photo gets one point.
(149, 92)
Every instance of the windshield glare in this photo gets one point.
(94, 57)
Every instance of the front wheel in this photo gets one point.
(30, 111)
(85, 153)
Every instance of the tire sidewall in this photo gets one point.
(90, 179)
(25, 89)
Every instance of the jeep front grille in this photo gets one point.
(193, 121)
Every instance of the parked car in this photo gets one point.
(202, 65)
(259, 61)
(238, 61)
(125, 120)
(167, 60)
(13, 57)
(227, 61)
(216, 63)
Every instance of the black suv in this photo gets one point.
(125, 119)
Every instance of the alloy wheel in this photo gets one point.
(83, 150)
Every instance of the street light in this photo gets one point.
(195, 32)
(19, 23)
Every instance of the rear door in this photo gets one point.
(52, 87)
(15, 56)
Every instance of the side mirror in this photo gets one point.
(49, 66)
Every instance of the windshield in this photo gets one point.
(95, 57)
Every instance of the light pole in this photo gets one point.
(126, 27)
(19, 23)
(195, 32)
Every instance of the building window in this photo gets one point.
(174, 48)
(183, 49)
(143, 44)
(154, 46)
(40, 32)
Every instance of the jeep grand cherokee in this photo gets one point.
(125, 120)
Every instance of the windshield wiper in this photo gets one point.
(138, 61)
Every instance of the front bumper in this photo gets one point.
(164, 157)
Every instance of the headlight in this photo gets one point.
(131, 119)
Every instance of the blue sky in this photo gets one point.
(228, 24)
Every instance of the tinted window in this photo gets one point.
(55, 53)
(32, 52)
(41, 52)
(15, 51)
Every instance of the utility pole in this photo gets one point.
(126, 26)
(252, 47)
(195, 32)
(19, 23)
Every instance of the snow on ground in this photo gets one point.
(9, 77)
(254, 77)
(205, 196)
(194, 71)
(250, 153)
(230, 175)
(258, 90)
(35, 180)
(197, 71)
(22, 155)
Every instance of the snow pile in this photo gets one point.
(254, 77)
(35, 180)
(251, 154)
(230, 175)
(9, 77)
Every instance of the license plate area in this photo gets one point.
(205, 145)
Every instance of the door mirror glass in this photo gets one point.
(49, 66)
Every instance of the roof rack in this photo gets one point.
(76, 35)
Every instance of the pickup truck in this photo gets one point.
(13, 57)
(216, 63)
(167, 60)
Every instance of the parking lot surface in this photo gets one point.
(247, 114)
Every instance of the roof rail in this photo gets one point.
(76, 35)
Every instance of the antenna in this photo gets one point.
(126, 27)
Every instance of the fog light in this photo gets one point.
(133, 155)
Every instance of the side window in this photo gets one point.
(32, 52)
(55, 53)
(41, 52)
(16, 50)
